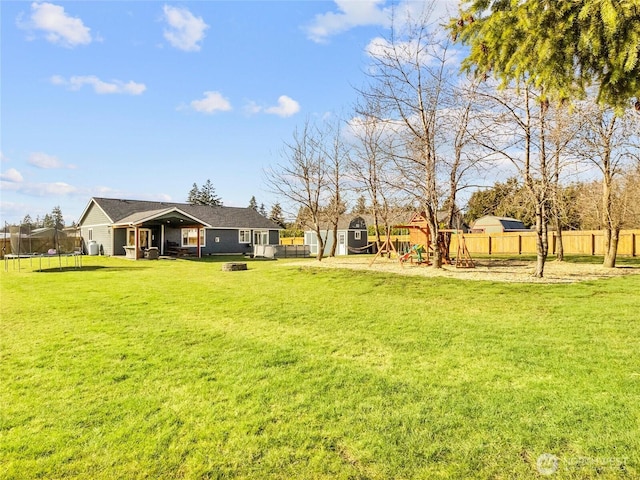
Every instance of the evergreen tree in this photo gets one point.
(192, 198)
(208, 195)
(262, 211)
(27, 221)
(47, 221)
(361, 206)
(253, 203)
(57, 218)
(303, 219)
(560, 47)
(496, 200)
(276, 215)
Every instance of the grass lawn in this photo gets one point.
(175, 369)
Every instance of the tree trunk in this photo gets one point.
(320, 244)
(542, 241)
(559, 245)
(611, 237)
(433, 231)
(335, 240)
(376, 225)
(610, 229)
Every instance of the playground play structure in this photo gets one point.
(419, 250)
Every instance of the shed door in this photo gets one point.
(342, 243)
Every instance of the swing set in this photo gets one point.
(419, 250)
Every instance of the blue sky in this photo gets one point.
(142, 99)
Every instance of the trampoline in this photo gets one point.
(76, 256)
(43, 245)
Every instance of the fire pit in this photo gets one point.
(233, 266)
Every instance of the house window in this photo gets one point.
(190, 237)
(358, 235)
(245, 236)
(144, 237)
(261, 237)
(90, 233)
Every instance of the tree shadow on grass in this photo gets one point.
(228, 259)
(91, 268)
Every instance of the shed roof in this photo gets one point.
(345, 222)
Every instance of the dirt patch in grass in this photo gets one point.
(496, 270)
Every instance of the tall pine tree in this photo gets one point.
(206, 195)
(192, 198)
(276, 215)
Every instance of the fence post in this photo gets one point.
(519, 244)
(633, 244)
(489, 237)
(593, 244)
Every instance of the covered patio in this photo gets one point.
(165, 232)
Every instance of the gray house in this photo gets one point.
(352, 237)
(131, 227)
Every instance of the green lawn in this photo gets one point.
(175, 369)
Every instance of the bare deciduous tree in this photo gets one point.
(409, 80)
(460, 158)
(516, 129)
(371, 167)
(302, 178)
(563, 128)
(610, 143)
(336, 156)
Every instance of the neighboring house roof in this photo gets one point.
(42, 231)
(507, 223)
(122, 211)
(512, 224)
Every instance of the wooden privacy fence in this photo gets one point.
(574, 242)
(292, 241)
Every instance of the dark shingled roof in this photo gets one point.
(512, 224)
(217, 217)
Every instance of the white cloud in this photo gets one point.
(252, 108)
(185, 31)
(39, 189)
(42, 160)
(286, 107)
(350, 14)
(212, 102)
(3, 157)
(358, 13)
(59, 28)
(55, 188)
(99, 86)
(435, 50)
(12, 175)
(47, 162)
